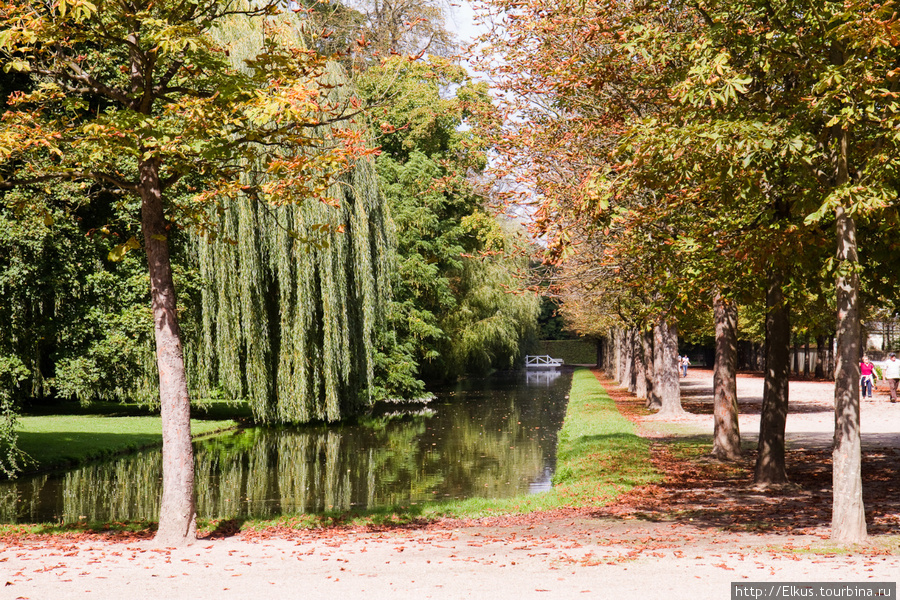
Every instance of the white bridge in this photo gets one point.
(542, 361)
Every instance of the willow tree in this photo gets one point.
(291, 295)
(290, 303)
(138, 98)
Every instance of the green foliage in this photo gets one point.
(573, 352)
(12, 374)
(289, 327)
(79, 323)
(291, 296)
(457, 306)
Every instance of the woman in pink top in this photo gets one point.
(866, 376)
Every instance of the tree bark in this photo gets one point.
(666, 382)
(177, 516)
(726, 431)
(647, 348)
(620, 355)
(770, 461)
(820, 357)
(628, 370)
(848, 518)
(806, 356)
(641, 366)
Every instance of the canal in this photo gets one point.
(493, 437)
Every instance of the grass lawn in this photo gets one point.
(60, 440)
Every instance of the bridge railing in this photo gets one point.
(542, 360)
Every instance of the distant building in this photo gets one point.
(882, 333)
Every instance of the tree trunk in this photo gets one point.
(820, 357)
(609, 354)
(806, 356)
(599, 348)
(628, 370)
(848, 518)
(620, 355)
(666, 382)
(177, 518)
(831, 364)
(647, 347)
(726, 432)
(770, 465)
(641, 365)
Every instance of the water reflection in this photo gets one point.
(544, 377)
(493, 437)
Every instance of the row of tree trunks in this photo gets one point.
(646, 363)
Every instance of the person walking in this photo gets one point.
(890, 372)
(866, 376)
(685, 363)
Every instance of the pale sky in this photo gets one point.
(461, 21)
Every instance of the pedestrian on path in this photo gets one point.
(866, 376)
(685, 363)
(890, 370)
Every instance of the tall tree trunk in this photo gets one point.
(599, 348)
(666, 382)
(629, 366)
(806, 356)
(848, 518)
(830, 363)
(796, 357)
(177, 514)
(820, 357)
(641, 366)
(620, 355)
(770, 465)
(726, 432)
(647, 347)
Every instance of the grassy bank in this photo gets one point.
(53, 441)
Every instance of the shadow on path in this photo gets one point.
(720, 494)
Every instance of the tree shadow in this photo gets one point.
(225, 528)
(721, 495)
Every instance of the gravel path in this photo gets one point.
(567, 554)
(810, 420)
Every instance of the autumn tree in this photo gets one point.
(783, 113)
(140, 100)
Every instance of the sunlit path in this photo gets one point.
(811, 410)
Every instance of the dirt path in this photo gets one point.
(689, 538)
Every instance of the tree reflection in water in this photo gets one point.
(493, 437)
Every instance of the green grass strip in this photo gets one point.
(600, 455)
(53, 441)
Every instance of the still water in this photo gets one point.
(492, 437)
